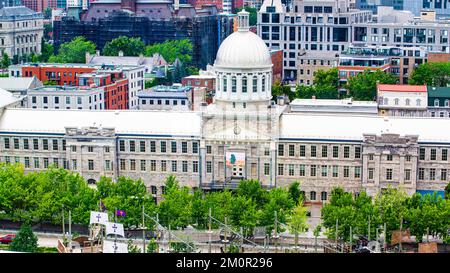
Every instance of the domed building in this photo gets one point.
(242, 123)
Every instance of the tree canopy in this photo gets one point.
(432, 74)
(25, 241)
(172, 50)
(129, 46)
(363, 86)
(74, 51)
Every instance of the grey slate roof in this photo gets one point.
(8, 13)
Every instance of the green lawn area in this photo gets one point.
(41, 249)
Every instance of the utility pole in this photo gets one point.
(276, 231)
(63, 224)
(428, 231)
(336, 234)
(351, 239)
(226, 235)
(168, 248)
(401, 234)
(209, 230)
(143, 229)
(385, 238)
(70, 230)
(368, 228)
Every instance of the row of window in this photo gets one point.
(164, 146)
(314, 170)
(166, 102)
(433, 154)
(314, 151)
(35, 144)
(151, 165)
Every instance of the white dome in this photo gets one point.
(243, 49)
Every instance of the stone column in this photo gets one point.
(273, 163)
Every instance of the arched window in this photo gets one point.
(396, 101)
(312, 196)
(324, 196)
(233, 84)
(407, 102)
(244, 84)
(418, 102)
(225, 89)
(255, 84)
(447, 103)
(436, 103)
(263, 83)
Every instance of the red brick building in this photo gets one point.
(61, 74)
(39, 5)
(277, 61)
(218, 3)
(198, 82)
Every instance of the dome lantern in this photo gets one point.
(243, 20)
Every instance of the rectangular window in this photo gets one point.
(132, 164)
(163, 147)
(132, 146)
(335, 171)
(346, 152)
(163, 166)
(142, 146)
(280, 169)
(388, 174)
(122, 164)
(408, 175)
(173, 146)
(208, 149)
(154, 189)
(45, 144)
(74, 148)
(421, 175)
(324, 151)
(36, 163)
(324, 171)
(408, 158)
(444, 154)
(266, 168)
(26, 144)
(335, 151)
(302, 150)
(313, 170)
(16, 143)
(313, 151)
(174, 166)
(35, 144)
(389, 157)
(443, 174)
(302, 170)
(346, 171)
(357, 152)
(91, 164)
(432, 174)
(422, 154)
(184, 147)
(370, 173)
(291, 169)
(195, 147)
(27, 162)
(90, 149)
(56, 162)
(357, 172)
(184, 166)
(208, 167)
(153, 165)
(280, 150)
(107, 165)
(122, 145)
(291, 150)
(370, 157)
(153, 146)
(433, 154)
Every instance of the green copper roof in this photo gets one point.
(438, 92)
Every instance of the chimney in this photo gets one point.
(120, 53)
(88, 57)
(141, 58)
(313, 97)
(176, 4)
(97, 53)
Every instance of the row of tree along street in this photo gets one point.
(363, 86)
(40, 196)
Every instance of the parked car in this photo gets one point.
(7, 239)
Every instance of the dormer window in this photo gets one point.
(436, 103)
(447, 103)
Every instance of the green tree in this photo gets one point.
(153, 246)
(431, 74)
(129, 46)
(46, 51)
(279, 201)
(295, 192)
(133, 248)
(6, 62)
(297, 221)
(175, 208)
(74, 51)
(363, 86)
(244, 214)
(279, 89)
(252, 16)
(199, 212)
(447, 191)
(172, 50)
(253, 190)
(25, 241)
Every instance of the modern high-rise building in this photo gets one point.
(441, 7)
